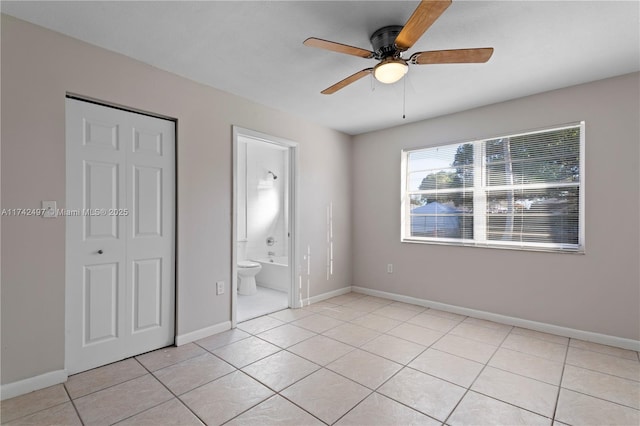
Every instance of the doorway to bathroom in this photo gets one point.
(264, 224)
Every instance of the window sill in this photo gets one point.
(513, 247)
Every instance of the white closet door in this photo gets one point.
(120, 287)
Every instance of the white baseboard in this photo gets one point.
(183, 339)
(45, 380)
(325, 296)
(42, 381)
(31, 384)
(603, 339)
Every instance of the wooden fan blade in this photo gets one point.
(347, 81)
(425, 14)
(456, 56)
(338, 47)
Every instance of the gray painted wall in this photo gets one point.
(597, 292)
(38, 68)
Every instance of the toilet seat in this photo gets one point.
(247, 264)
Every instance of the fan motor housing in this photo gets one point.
(383, 41)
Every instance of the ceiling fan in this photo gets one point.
(390, 42)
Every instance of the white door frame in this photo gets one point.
(293, 227)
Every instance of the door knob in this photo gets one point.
(100, 251)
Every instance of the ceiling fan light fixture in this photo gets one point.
(390, 70)
(390, 42)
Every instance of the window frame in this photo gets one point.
(480, 190)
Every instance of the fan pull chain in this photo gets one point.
(404, 97)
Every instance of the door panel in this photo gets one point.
(101, 193)
(149, 143)
(102, 135)
(147, 294)
(100, 303)
(150, 168)
(120, 294)
(147, 194)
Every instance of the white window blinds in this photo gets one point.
(517, 191)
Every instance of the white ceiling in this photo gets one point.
(254, 49)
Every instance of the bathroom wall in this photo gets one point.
(262, 209)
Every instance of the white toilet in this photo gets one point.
(247, 272)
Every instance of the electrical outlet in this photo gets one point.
(390, 268)
(219, 287)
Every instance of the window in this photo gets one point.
(520, 191)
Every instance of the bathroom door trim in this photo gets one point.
(293, 228)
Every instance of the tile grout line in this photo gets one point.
(324, 367)
(354, 348)
(564, 365)
(485, 365)
(254, 405)
(372, 391)
(293, 402)
(110, 386)
(402, 403)
(354, 407)
(604, 373)
(403, 366)
(73, 403)
(406, 365)
(178, 397)
(40, 410)
(595, 371)
(170, 391)
(284, 348)
(321, 367)
(602, 399)
(277, 393)
(606, 355)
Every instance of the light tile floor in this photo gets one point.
(265, 301)
(353, 360)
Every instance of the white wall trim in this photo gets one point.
(45, 380)
(31, 384)
(183, 339)
(603, 339)
(325, 296)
